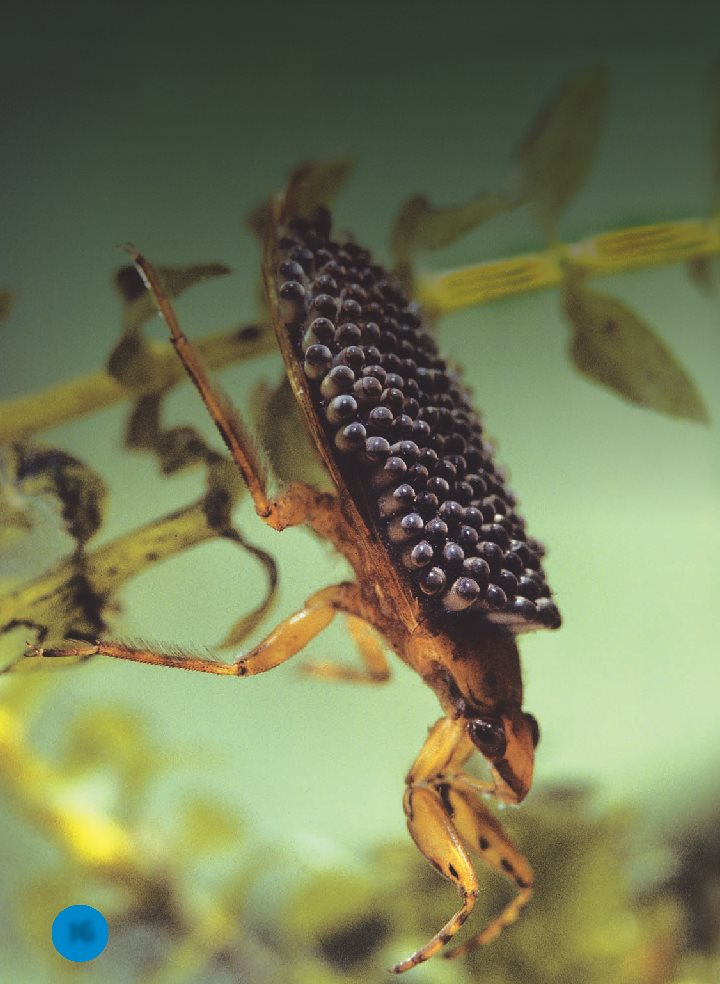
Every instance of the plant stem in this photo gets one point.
(59, 404)
(610, 252)
(49, 600)
(450, 290)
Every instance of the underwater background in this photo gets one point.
(167, 127)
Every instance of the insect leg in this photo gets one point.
(446, 748)
(371, 652)
(299, 501)
(288, 638)
(434, 833)
(481, 831)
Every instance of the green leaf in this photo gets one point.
(107, 738)
(257, 220)
(615, 347)
(558, 151)
(279, 424)
(6, 303)
(138, 303)
(208, 826)
(715, 137)
(419, 225)
(315, 183)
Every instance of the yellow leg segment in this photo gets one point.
(376, 669)
(447, 818)
(481, 831)
(446, 748)
(286, 639)
(438, 840)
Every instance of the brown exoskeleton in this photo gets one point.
(445, 573)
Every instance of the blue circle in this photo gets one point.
(79, 933)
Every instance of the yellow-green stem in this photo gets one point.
(59, 404)
(608, 253)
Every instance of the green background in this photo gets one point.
(165, 127)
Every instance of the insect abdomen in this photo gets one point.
(400, 426)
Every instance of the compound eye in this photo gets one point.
(534, 729)
(488, 735)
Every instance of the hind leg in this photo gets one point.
(287, 639)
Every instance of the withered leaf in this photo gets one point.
(176, 447)
(419, 225)
(615, 347)
(700, 269)
(315, 183)
(130, 363)
(81, 492)
(249, 622)
(14, 519)
(138, 305)
(558, 151)
(15, 511)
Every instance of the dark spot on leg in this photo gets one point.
(445, 938)
(152, 556)
(483, 843)
(521, 883)
(444, 791)
(507, 866)
(453, 872)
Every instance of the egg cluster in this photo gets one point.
(401, 423)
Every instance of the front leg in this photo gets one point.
(482, 832)
(288, 638)
(447, 819)
(434, 833)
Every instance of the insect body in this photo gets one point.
(445, 572)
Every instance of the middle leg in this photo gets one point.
(375, 666)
